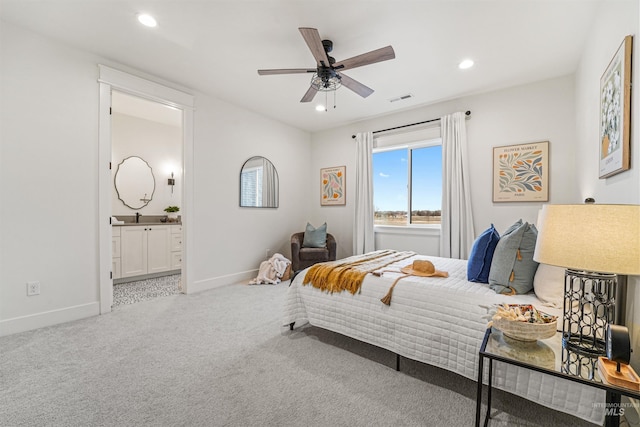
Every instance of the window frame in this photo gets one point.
(422, 143)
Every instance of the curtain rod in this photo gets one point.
(466, 113)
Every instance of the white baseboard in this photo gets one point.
(68, 314)
(48, 318)
(216, 282)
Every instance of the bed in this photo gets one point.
(435, 320)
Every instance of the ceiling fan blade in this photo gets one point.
(286, 71)
(308, 97)
(355, 86)
(312, 37)
(378, 55)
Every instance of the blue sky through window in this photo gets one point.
(390, 175)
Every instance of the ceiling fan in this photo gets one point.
(327, 76)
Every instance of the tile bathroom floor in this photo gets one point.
(143, 290)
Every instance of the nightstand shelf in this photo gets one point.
(549, 357)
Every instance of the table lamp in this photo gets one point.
(598, 245)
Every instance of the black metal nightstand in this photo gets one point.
(549, 357)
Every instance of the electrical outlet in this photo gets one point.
(33, 288)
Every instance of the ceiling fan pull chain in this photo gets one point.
(334, 99)
(326, 100)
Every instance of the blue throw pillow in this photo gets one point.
(482, 250)
(315, 237)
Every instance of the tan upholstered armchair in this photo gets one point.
(302, 258)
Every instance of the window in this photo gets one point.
(251, 181)
(408, 179)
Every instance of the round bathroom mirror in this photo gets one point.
(134, 182)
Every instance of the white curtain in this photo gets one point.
(269, 184)
(363, 237)
(457, 220)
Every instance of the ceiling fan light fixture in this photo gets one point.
(325, 83)
(320, 108)
(147, 20)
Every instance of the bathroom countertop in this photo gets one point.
(149, 219)
(128, 224)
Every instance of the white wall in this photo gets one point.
(48, 164)
(48, 217)
(232, 240)
(615, 20)
(621, 18)
(160, 145)
(542, 111)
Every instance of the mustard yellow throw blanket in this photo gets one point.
(348, 274)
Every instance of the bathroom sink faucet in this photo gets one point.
(138, 217)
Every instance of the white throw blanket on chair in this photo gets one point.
(271, 271)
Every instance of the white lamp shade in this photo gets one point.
(590, 237)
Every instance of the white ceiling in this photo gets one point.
(216, 46)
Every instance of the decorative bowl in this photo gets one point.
(521, 328)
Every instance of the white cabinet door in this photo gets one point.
(158, 248)
(115, 247)
(176, 247)
(115, 255)
(176, 260)
(176, 242)
(115, 268)
(133, 251)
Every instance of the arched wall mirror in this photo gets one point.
(134, 182)
(258, 184)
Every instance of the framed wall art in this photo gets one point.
(333, 186)
(615, 106)
(521, 173)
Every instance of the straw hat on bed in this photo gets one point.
(424, 268)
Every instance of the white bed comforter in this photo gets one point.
(438, 321)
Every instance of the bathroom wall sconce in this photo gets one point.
(171, 181)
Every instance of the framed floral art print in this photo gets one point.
(521, 173)
(615, 106)
(333, 186)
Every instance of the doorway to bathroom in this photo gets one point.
(146, 132)
(146, 153)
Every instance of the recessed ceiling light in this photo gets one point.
(147, 20)
(467, 63)
(320, 108)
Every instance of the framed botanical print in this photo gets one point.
(615, 106)
(333, 186)
(521, 173)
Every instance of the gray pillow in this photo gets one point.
(512, 266)
(315, 237)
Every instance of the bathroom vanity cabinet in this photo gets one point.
(115, 253)
(176, 247)
(146, 249)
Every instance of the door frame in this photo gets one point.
(112, 79)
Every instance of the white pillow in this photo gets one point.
(548, 284)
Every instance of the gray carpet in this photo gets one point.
(221, 358)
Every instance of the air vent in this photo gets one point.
(401, 98)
